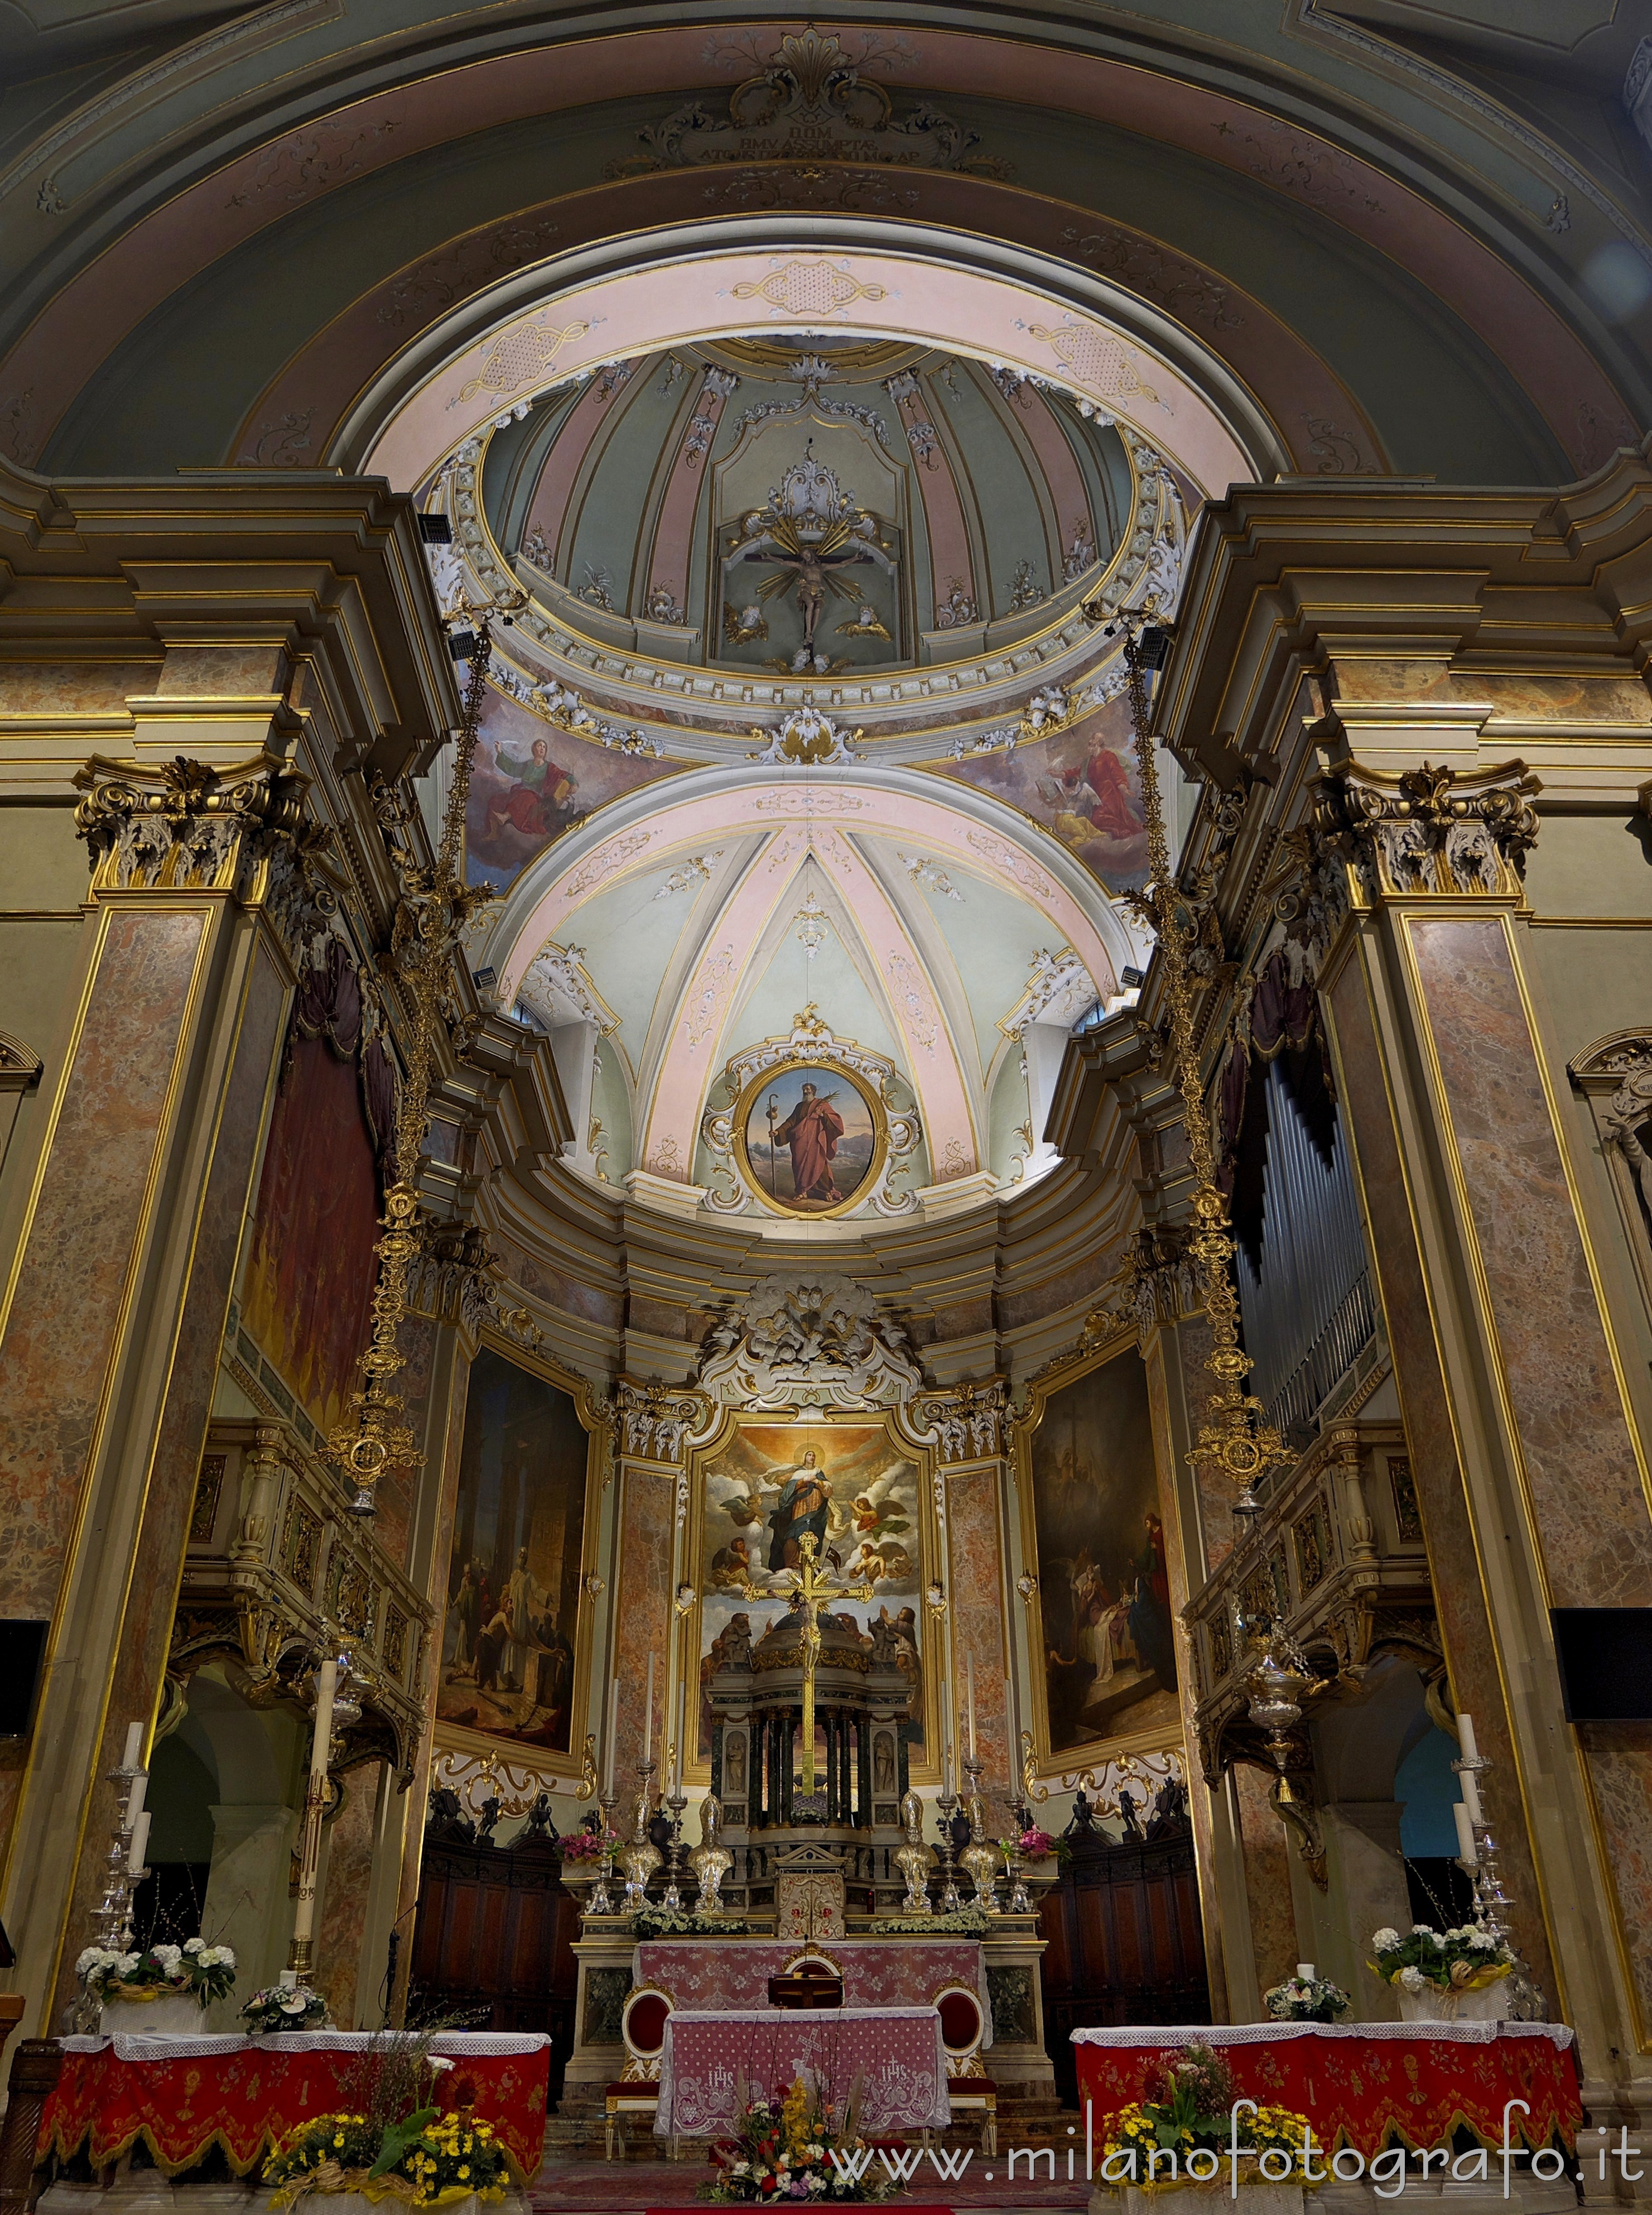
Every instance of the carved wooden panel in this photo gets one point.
(1125, 1942)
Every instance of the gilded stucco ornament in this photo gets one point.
(1433, 829)
(807, 1342)
(182, 826)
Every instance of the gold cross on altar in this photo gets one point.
(813, 1591)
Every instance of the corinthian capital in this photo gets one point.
(1431, 830)
(181, 826)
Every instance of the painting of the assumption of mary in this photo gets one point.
(849, 1487)
(508, 1660)
(810, 1139)
(1110, 1656)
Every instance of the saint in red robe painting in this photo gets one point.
(1114, 813)
(542, 792)
(812, 1130)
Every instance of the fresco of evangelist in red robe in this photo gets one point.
(531, 782)
(1081, 784)
(810, 1140)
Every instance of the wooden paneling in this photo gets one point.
(493, 1942)
(1126, 1944)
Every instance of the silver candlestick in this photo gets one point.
(980, 1860)
(952, 1902)
(601, 1901)
(676, 1802)
(641, 1857)
(1526, 2002)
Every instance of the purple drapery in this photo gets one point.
(328, 1004)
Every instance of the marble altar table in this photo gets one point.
(877, 1972)
(895, 2052)
(1360, 2083)
(181, 2096)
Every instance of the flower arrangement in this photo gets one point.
(425, 2160)
(968, 1922)
(1034, 1845)
(588, 1845)
(784, 2151)
(1181, 2132)
(284, 2007)
(1467, 1959)
(1306, 1999)
(686, 1922)
(202, 1972)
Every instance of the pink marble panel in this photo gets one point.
(146, 1628)
(1267, 1878)
(1619, 1757)
(60, 1333)
(975, 1553)
(343, 1905)
(1460, 1600)
(61, 688)
(1583, 1480)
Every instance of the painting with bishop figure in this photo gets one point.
(850, 1488)
(1103, 1588)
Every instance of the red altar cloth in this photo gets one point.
(1360, 2083)
(245, 2096)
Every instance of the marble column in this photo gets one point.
(1529, 1473)
(121, 1283)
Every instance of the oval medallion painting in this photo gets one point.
(809, 1137)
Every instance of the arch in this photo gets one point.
(768, 274)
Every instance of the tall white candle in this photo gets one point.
(682, 1731)
(134, 1745)
(1471, 1797)
(135, 1798)
(613, 1734)
(309, 1841)
(648, 1715)
(969, 1686)
(1465, 1744)
(1464, 1835)
(140, 1839)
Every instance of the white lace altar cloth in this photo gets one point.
(1268, 2034)
(715, 1974)
(897, 2053)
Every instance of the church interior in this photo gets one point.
(825, 1104)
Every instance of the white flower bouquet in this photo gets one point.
(284, 2007)
(194, 1970)
(1441, 1973)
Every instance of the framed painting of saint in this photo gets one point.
(809, 1137)
(764, 1487)
(1104, 1675)
(516, 1632)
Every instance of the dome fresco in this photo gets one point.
(640, 506)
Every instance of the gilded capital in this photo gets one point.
(181, 826)
(1431, 830)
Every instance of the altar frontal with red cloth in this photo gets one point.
(1363, 2085)
(245, 2096)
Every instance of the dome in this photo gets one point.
(826, 506)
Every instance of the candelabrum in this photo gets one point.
(1020, 1899)
(1526, 2002)
(951, 1901)
(676, 1802)
(641, 1857)
(980, 1859)
(602, 1900)
(111, 1924)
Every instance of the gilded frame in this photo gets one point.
(925, 1767)
(740, 1116)
(456, 1738)
(1092, 1753)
